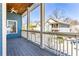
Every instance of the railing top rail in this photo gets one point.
(56, 33)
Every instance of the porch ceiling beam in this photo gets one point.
(31, 8)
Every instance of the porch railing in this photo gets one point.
(60, 43)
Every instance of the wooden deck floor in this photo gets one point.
(23, 47)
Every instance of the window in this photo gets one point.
(52, 26)
(11, 26)
(56, 25)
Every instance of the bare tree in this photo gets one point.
(58, 13)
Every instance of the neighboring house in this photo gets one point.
(32, 26)
(75, 29)
(24, 27)
(52, 25)
(58, 25)
(48, 27)
(38, 26)
(74, 25)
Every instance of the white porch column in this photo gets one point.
(28, 20)
(4, 29)
(42, 22)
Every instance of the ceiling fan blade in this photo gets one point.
(15, 11)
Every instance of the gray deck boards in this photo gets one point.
(23, 47)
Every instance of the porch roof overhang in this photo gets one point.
(18, 8)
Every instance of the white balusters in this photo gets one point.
(76, 46)
(71, 48)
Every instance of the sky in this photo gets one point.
(71, 10)
(35, 15)
(0, 1)
(24, 18)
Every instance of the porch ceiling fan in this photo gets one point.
(14, 11)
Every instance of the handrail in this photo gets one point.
(51, 42)
(56, 33)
